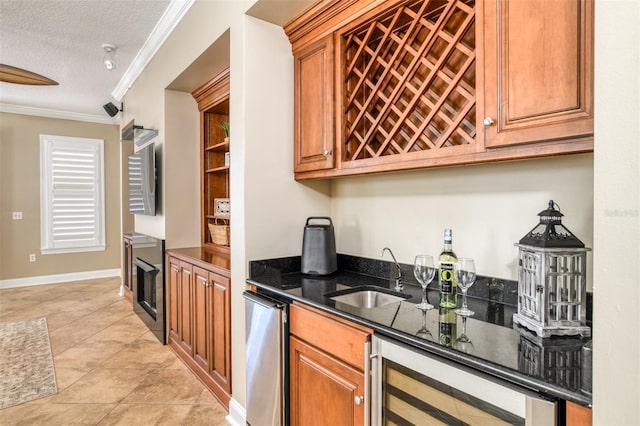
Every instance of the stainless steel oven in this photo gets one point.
(411, 387)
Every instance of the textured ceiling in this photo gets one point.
(62, 40)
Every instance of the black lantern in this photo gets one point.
(550, 232)
(552, 275)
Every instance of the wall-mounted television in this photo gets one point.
(142, 181)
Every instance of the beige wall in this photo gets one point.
(276, 206)
(20, 191)
(182, 170)
(616, 298)
(488, 207)
(203, 24)
(268, 207)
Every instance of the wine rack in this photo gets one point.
(409, 80)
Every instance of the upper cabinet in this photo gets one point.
(314, 113)
(538, 71)
(393, 85)
(213, 103)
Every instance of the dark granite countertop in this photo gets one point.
(221, 262)
(551, 366)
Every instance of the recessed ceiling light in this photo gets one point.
(109, 56)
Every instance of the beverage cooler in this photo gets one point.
(409, 387)
(267, 339)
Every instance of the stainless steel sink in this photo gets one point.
(367, 297)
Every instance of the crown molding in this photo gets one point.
(52, 113)
(167, 23)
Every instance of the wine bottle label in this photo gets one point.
(446, 333)
(446, 328)
(446, 277)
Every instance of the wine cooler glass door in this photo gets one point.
(410, 387)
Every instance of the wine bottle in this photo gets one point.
(447, 322)
(447, 273)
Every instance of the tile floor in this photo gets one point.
(110, 369)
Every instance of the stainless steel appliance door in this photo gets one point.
(266, 335)
(413, 387)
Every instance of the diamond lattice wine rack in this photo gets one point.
(409, 81)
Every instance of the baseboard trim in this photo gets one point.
(237, 414)
(60, 278)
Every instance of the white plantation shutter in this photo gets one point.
(72, 194)
(136, 195)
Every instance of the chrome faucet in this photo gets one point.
(399, 286)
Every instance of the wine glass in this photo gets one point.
(466, 270)
(463, 343)
(424, 270)
(424, 332)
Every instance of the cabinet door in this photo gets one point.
(220, 320)
(313, 107)
(201, 322)
(577, 415)
(174, 299)
(185, 307)
(323, 389)
(538, 64)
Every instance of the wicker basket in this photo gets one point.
(219, 232)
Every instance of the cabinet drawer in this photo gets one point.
(340, 338)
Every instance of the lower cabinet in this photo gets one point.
(578, 415)
(200, 322)
(328, 370)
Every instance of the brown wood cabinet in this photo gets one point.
(213, 104)
(578, 415)
(314, 113)
(327, 368)
(538, 68)
(212, 339)
(427, 84)
(127, 267)
(180, 304)
(323, 388)
(200, 317)
(173, 289)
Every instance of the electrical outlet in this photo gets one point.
(16, 215)
(32, 257)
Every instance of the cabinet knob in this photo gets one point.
(175, 269)
(358, 400)
(488, 121)
(327, 152)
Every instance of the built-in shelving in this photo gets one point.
(218, 169)
(222, 146)
(213, 103)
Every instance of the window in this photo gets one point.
(71, 194)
